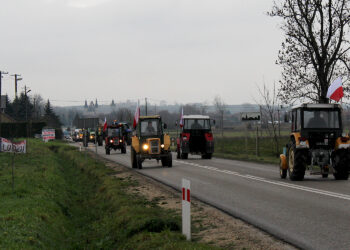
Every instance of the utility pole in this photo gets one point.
(26, 99)
(146, 105)
(1, 73)
(17, 78)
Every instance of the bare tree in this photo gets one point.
(316, 47)
(38, 106)
(124, 115)
(269, 109)
(220, 108)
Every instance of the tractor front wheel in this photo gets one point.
(139, 162)
(133, 158)
(123, 150)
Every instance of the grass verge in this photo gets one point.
(63, 201)
(238, 149)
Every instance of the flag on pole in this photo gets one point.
(182, 118)
(136, 116)
(105, 125)
(335, 91)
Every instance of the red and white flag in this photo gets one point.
(136, 116)
(335, 91)
(182, 118)
(105, 125)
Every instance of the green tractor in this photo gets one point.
(150, 142)
(317, 143)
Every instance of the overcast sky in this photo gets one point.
(173, 50)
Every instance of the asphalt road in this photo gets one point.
(312, 214)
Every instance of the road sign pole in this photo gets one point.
(186, 209)
(257, 140)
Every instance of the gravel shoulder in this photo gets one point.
(209, 225)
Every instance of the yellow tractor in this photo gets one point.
(317, 143)
(150, 142)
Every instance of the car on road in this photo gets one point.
(114, 139)
(317, 143)
(150, 142)
(196, 137)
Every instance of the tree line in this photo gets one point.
(25, 108)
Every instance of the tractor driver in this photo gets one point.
(317, 121)
(196, 125)
(150, 129)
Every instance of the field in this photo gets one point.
(62, 200)
(240, 144)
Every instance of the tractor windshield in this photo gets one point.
(150, 127)
(197, 124)
(113, 132)
(321, 119)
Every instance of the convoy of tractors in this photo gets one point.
(317, 143)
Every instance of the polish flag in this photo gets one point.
(335, 91)
(182, 118)
(137, 116)
(105, 125)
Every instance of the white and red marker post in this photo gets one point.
(186, 209)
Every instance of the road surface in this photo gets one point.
(312, 214)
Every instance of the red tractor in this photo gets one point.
(196, 137)
(114, 138)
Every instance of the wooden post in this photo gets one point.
(246, 140)
(13, 172)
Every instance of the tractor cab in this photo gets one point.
(114, 138)
(195, 137)
(319, 124)
(150, 142)
(316, 140)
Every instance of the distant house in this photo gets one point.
(6, 118)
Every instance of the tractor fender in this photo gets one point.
(166, 142)
(298, 143)
(342, 143)
(283, 162)
(135, 144)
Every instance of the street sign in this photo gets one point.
(48, 134)
(8, 146)
(250, 116)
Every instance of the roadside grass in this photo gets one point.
(63, 201)
(236, 149)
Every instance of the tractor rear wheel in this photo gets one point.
(207, 156)
(139, 162)
(184, 156)
(296, 163)
(170, 160)
(341, 164)
(123, 150)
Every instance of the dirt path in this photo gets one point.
(209, 224)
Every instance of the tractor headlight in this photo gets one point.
(162, 146)
(111, 141)
(145, 147)
(120, 140)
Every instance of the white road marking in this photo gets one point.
(277, 183)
